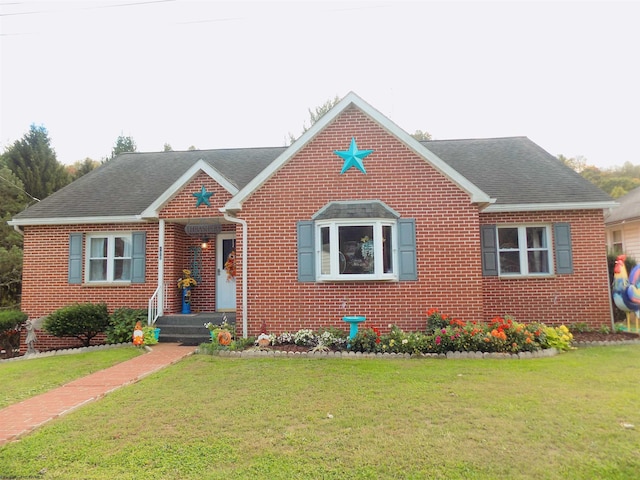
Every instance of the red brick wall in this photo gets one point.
(45, 286)
(563, 299)
(446, 223)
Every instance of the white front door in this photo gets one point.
(225, 281)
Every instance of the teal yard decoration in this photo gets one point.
(203, 197)
(353, 157)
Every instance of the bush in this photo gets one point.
(10, 322)
(122, 323)
(81, 320)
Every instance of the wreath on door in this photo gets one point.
(230, 266)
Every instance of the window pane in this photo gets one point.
(507, 238)
(122, 247)
(538, 261)
(536, 237)
(97, 270)
(325, 252)
(98, 248)
(387, 249)
(122, 270)
(356, 245)
(510, 262)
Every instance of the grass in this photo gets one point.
(26, 378)
(282, 418)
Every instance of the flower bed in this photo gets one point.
(442, 336)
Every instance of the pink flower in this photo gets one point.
(438, 340)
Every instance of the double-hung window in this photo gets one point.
(524, 250)
(356, 250)
(109, 258)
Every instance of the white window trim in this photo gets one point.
(523, 250)
(334, 258)
(110, 236)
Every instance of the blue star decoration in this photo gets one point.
(203, 197)
(353, 157)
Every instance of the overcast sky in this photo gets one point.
(216, 74)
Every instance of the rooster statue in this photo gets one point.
(626, 289)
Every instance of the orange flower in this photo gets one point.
(431, 311)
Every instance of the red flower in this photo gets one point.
(431, 311)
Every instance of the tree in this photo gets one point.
(422, 136)
(577, 164)
(34, 162)
(167, 148)
(315, 115)
(123, 145)
(80, 168)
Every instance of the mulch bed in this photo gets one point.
(604, 337)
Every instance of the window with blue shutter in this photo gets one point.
(138, 256)
(75, 258)
(489, 250)
(562, 244)
(407, 249)
(306, 252)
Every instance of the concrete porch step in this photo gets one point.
(188, 329)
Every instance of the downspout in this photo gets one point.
(161, 268)
(245, 250)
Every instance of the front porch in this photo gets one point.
(189, 329)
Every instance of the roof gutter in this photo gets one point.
(245, 250)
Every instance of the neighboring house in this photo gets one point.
(622, 225)
(355, 218)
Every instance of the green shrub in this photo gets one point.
(10, 322)
(80, 320)
(122, 323)
(11, 319)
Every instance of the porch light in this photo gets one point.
(205, 243)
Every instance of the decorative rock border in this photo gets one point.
(67, 351)
(550, 352)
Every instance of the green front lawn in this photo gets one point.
(21, 379)
(571, 416)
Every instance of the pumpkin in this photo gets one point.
(224, 338)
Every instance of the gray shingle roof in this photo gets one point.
(129, 183)
(629, 208)
(513, 170)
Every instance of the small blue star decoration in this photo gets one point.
(353, 157)
(203, 197)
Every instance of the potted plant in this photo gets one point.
(185, 284)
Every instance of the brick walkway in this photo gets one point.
(21, 418)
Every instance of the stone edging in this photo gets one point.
(66, 351)
(550, 352)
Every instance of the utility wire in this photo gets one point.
(21, 189)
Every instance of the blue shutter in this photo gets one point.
(562, 245)
(75, 258)
(408, 269)
(138, 257)
(306, 252)
(489, 250)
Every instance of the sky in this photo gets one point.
(216, 74)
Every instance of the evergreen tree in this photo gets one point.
(34, 162)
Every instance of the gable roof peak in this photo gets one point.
(475, 193)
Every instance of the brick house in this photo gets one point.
(355, 218)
